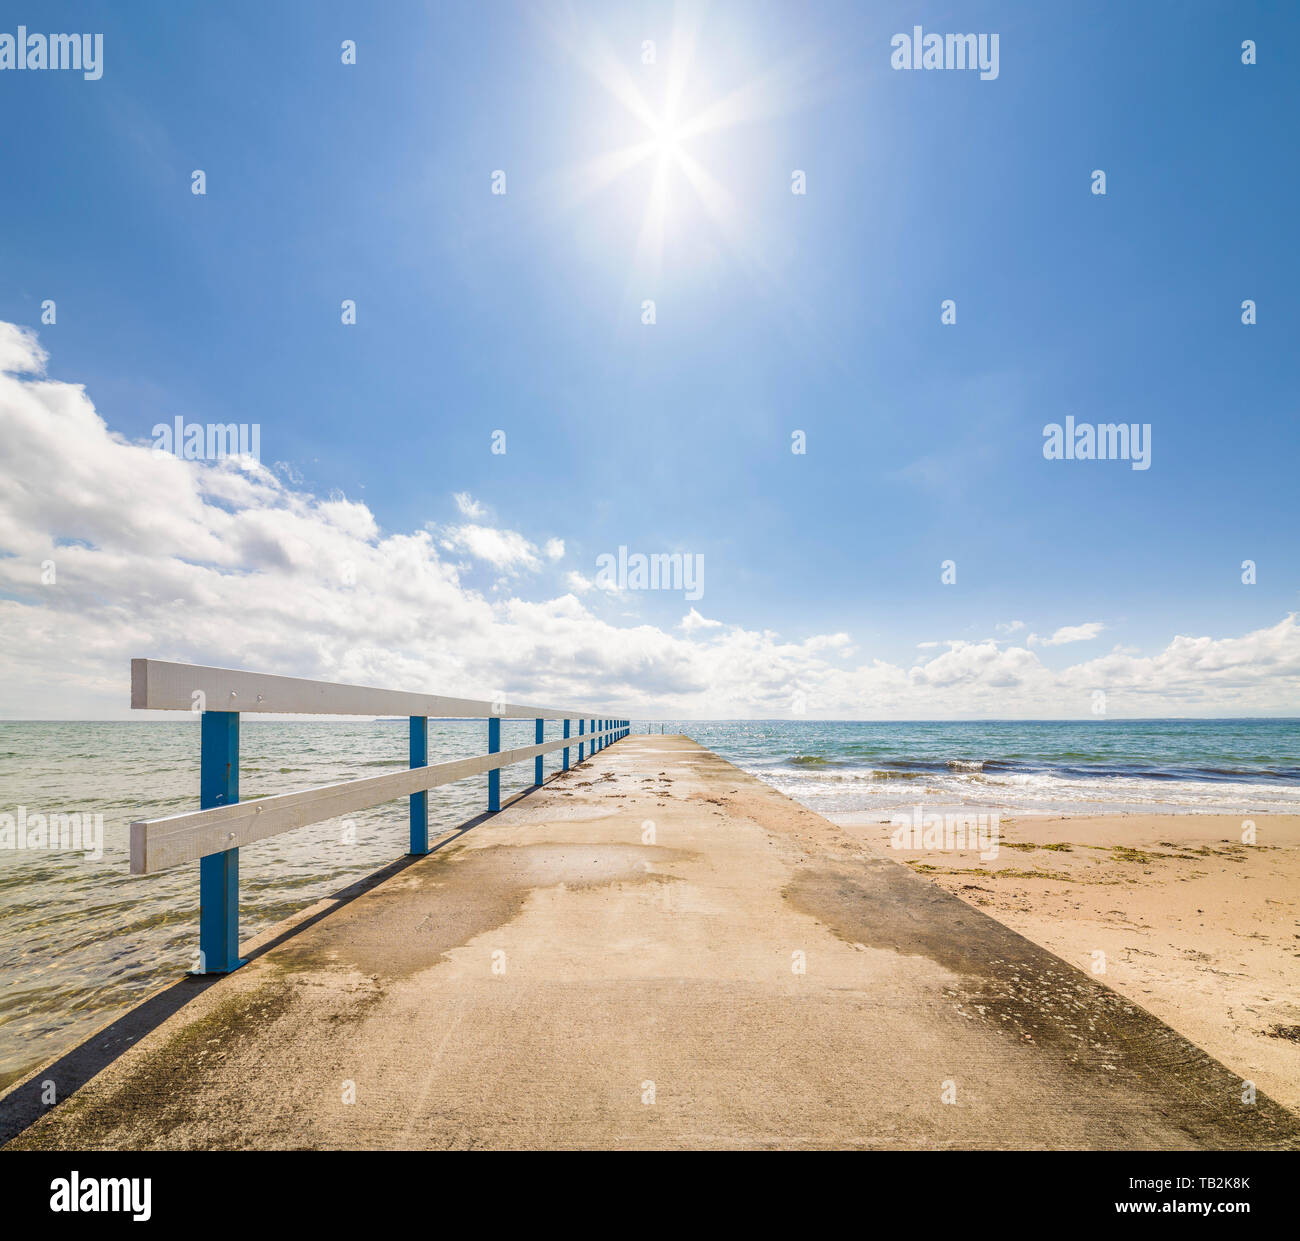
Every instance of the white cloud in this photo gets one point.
(216, 564)
(1069, 633)
(693, 621)
(1010, 626)
(579, 583)
(554, 549)
(20, 351)
(504, 549)
(838, 643)
(468, 506)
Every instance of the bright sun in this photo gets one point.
(665, 139)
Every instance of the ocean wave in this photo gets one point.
(1100, 769)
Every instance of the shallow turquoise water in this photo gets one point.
(1226, 766)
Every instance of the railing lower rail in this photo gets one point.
(214, 834)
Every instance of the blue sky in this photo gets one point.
(774, 312)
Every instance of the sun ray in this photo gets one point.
(685, 32)
(777, 93)
(596, 58)
(583, 181)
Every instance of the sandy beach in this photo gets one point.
(1199, 928)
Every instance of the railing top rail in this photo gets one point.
(160, 685)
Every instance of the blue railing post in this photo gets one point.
(539, 736)
(494, 776)
(582, 724)
(566, 748)
(420, 801)
(219, 872)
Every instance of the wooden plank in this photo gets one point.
(159, 685)
(157, 844)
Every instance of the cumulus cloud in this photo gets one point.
(554, 549)
(503, 549)
(1014, 626)
(579, 584)
(235, 565)
(1069, 633)
(693, 621)
(20, 351)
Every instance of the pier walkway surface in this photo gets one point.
(651, 950)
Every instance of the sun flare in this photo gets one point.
(663, 143)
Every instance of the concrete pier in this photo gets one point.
(651, 951)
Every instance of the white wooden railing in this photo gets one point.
(214, 834)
